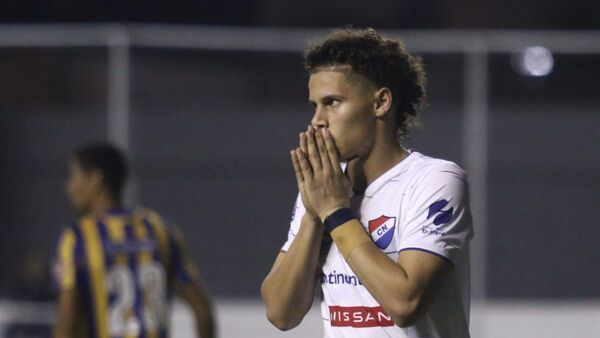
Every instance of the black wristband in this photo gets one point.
(337, 218)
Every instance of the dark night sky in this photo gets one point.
(508, 14)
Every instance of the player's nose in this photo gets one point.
(319, 119)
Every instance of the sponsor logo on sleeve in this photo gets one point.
(381, 230)
(440, 217)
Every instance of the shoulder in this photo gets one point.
(66, 235)
(83, 221)
(73, 234)
(164, 227)
(425, 168)
(432, 178)
(145, 212)
(75, 227)
(69, 242)
(150, 216)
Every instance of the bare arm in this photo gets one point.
(288, 290)
(65, 319)
(68, 296)
(193, 293)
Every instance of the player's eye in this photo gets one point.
(333, 102)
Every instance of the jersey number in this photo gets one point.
(120, 282)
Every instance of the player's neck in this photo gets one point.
(104, 204)
(383, 156)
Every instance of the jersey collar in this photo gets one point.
(394, 171)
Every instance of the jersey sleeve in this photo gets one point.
(65, 266)
(183, 268)
(438, 217)
(296, 219)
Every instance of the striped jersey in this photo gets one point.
(123, 266)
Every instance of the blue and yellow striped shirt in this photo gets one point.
(123, 266)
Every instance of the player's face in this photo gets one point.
(81, 187)
(344, 102)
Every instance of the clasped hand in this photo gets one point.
(323, 186)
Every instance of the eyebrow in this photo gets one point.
(327, 98)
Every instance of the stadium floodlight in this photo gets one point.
(533, 61)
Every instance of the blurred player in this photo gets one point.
(398, 222)
(117, 268)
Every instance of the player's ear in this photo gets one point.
(383, 101)
(96, 178)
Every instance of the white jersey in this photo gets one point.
(419, 204)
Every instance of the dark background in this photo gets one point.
(210, 134)
(485, 14)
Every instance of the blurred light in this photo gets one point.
(533, 61)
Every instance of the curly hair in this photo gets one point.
(382, 60)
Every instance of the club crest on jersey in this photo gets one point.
(382, 230)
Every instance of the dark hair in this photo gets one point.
(109, 160)
(382, 60)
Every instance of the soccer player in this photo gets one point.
(117, 268)
(392, 226)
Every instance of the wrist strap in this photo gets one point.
(337, 218)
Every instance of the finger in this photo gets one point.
(297, 170)
(332, 151)
(323, 155)
(302, 142)
(304, 164)
(313, 152)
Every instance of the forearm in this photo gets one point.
(63, 327)
(385, 279)
(196, 296)
(288, 290)
(61, 330)
(205, 324)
